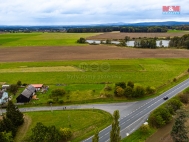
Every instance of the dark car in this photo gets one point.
(165, 98)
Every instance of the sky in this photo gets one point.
(85, 12)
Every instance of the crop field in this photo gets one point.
(40, 39)
(83, 122)
(117, 36)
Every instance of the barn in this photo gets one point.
(26, 95)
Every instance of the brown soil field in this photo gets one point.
(116, 36)
(91, 52)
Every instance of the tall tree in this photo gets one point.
(115, 132)
(96, 137)
(179, 132)
(14, 114)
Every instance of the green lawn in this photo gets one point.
(83, 122)
(41, 39)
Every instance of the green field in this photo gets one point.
(83, 122)
(177, 31)
(41, 39)
(88, 81)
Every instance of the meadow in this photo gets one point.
(41, 39)
(82, 122)
(88, 82)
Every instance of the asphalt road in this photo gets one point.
(132, 114)
(132, 121)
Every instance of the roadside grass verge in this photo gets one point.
(82, 122)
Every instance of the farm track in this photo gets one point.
(90, 52)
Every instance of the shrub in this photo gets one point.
(150, 90)
(139, 91)
(107, 88)
(128, 92)
(58, 92)
(50, 101)
(174, 80)
(19, 83)
(121, 84)
(119, 92)
(66, 133)
(144, 128)
(81, 40)
(61, 101)
(131, 84)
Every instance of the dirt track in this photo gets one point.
(85, 53)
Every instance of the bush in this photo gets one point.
(150, 90)
(128, 92)
(50, 101)
(144, 128)
(61, 101)
(121, 84)
(19, 83)
(81, 40)
(174, 80)
(139, 91)
(131, 84)
(66, 133)
(107, 88)
(58, 92)
(119, 92)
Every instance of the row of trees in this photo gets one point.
(148, 43)
(180, 41)
(133, 29)
(11, 121)
(132, 91)
(153, 29)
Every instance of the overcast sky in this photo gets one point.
(66, 12)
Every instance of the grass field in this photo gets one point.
(176, 31)
(41, 39)
(88, 84)
(83, 122)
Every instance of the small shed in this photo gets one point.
(26, 95)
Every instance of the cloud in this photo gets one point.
(63, 12)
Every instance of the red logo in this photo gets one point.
(171, 9)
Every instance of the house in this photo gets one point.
(37, 86)
(3, 97)
(26, 95)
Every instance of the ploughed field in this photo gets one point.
(90, 52)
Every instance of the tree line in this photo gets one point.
(129, 29)
(180, 41)
(129, 90)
